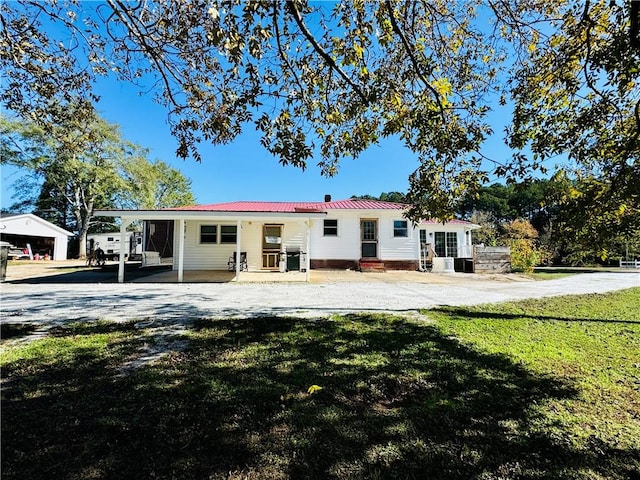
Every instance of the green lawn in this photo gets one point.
(536, 389)
(538, 275)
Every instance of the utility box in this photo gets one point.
(442, 265)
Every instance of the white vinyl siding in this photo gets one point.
(396, 248)
(199, 256)
(347, 246)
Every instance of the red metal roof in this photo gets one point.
(293, 207)
(306, 207)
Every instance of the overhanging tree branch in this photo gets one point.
(634, 27)
(414, 60)
(281, 52)
(325, 56)
(161, 67)
(585, 68)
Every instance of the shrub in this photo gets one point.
(524, 255)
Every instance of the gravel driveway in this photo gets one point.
(53, 303)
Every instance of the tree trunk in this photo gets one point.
(83, 228)
(83, 218)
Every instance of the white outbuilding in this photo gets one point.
(42, 236)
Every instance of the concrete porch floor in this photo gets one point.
(222, 276)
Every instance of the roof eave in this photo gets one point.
(201, 214)
(40, 220)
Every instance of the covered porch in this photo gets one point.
(275, 246)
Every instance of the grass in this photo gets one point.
(541, 389)
(543, 275)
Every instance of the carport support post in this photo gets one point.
(308, 255)
(181, 250)
(238, 248)
(123, 232)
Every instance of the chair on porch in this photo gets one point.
(231, 264)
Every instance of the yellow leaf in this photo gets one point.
(313, 389)
(442, 86)
(359, 50)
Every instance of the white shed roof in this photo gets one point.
(32, 225)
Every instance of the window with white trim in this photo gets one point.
(208, 234)
(330, 227)
(400, 228)
(446, 244)
(228, 233)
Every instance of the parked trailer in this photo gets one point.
(110, 245)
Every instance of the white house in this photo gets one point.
(43, 237)
(302, 235)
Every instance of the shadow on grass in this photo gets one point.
(15, 330)
(468, 313)
(398, 400)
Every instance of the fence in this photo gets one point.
(492, 259)
(629, 263)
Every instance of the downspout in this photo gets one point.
(308, 256)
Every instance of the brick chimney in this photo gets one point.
(327, 198)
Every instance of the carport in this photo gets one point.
(43, 236)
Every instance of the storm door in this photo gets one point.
(369, 238)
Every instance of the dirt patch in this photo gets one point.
(406, 276)
(25, 269)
